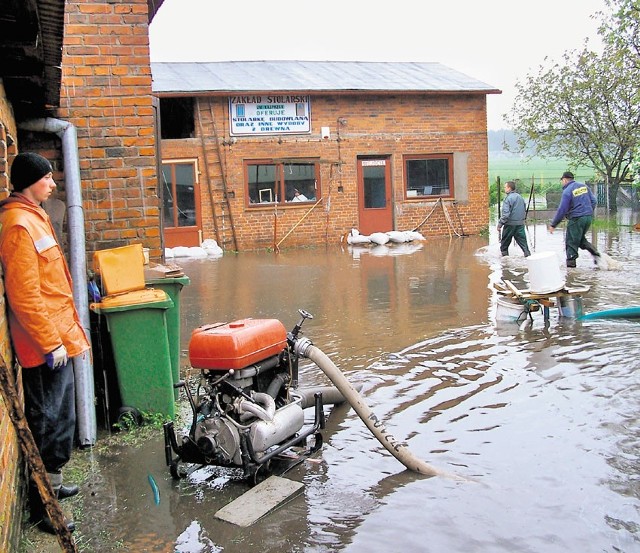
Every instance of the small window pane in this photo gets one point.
(262, 183)
(300, 177)
(185, 195)
(167, 195)
(374, 187)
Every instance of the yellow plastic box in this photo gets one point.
(121, 269)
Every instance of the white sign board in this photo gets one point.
(269, 114)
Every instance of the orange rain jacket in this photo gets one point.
(42, 313)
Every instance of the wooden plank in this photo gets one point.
(513, 288)
(258, 501)
(32, 456)
(577, 290)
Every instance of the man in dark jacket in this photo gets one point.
(577, 205)
(511, 223)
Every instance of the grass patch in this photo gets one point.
(543, 171)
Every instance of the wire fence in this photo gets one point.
(544, 193)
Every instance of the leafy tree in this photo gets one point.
(586, 108)
(621, 28)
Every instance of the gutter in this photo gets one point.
(82, 364)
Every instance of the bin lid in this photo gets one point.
(121, 269)
(137, 299)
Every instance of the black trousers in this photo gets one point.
(576, 239)
(517, 233)
(50, 409)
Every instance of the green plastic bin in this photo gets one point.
(140, 343)
(172, 286)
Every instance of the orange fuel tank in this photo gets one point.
(236, 345)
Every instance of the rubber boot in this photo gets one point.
(67, 491)
(39, 515)
(595, 253)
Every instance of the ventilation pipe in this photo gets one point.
(82, 364)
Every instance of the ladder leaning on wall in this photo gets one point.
(218, 195)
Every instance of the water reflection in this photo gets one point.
(542, 422)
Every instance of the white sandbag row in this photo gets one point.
(208, 248)
(381, 238)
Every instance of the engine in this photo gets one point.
(246, 410)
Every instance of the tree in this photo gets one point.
(586, 108)
(621, 28)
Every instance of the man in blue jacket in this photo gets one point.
(511, 222)
(577, 205)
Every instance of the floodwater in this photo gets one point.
(542, 424)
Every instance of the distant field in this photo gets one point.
(542, 170)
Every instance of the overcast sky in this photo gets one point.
(495, 41)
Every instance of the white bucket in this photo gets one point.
(509, 309)
(544, 273)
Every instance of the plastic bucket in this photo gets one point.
(570, 307)
(544, 273)
(509, 310)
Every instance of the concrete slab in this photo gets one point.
(258, 501)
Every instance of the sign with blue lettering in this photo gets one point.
(269, 114)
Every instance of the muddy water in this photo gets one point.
(542, 424)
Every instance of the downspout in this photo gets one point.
(82, 364)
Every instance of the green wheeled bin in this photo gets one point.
(137, 325)
(172, 286)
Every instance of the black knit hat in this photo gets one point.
(27, 169)
(567, 175)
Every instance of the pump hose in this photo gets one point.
(377, 428)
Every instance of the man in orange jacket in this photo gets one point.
(44, 324)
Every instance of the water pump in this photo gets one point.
(247, 409)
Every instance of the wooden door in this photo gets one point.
(181, 206)
(374, 195)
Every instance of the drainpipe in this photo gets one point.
(82, 364)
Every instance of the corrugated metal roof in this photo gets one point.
(264, 76)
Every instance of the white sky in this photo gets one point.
(495, 41)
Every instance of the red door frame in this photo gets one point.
(375, 206)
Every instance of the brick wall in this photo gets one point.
(106, 94)
(11, 474)
(381, 125)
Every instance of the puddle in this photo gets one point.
(542, 423)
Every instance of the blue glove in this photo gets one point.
(94, 293)
(57, 358)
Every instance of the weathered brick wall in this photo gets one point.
(382, 125)
(11, 473)
(11, 469)
(106, 94)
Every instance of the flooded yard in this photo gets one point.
(542, 424)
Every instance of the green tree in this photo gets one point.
(586, 108)
(621, 27)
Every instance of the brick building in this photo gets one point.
(75, 85)
(372, 146)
